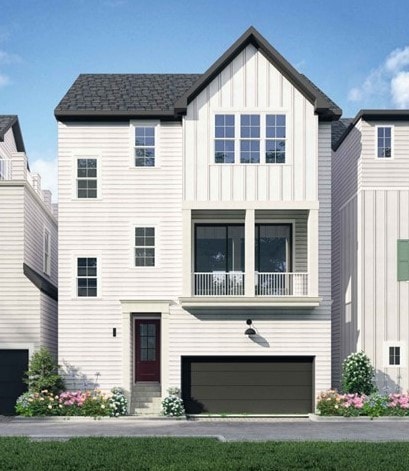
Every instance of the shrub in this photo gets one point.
(118, 402)
(329, 402)
(358, 374)
(43, 374)
(172, 405)
(376, 405)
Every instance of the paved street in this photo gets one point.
(223, 429)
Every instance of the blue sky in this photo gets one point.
(356, 51)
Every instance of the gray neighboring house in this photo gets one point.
(28, 264)
(370, 243)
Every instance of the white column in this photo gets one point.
(249, 258)
(313, 252)
(126, 355)
(187, 252)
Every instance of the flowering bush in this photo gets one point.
(46, 403)
(352, 405)
(172, 405)
(358, 374)
(118, 402)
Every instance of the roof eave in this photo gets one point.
(86, 115)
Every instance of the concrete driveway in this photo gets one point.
(242, 429)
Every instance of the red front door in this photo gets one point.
(147, 350)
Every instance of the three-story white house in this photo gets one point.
(195, 234)
(370, 249)
(28, 265)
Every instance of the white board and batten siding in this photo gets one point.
(371, 306)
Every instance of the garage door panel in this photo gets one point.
(248, 385)
(252, 377)
(13, 364)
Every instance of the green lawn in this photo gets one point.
(98, 454)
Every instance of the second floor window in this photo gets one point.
(86, 178)
(86, 277)
(144, 146)
(250, 138)
(384, 142)
(144, 246)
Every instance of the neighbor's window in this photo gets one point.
(224, 139)
(47, 252)
(394, 356)
(87, 277)
(145, 146)
(144, 246)
(384, 142)
(86, 178)
(275, 139)
(2, 169)
(403, 260)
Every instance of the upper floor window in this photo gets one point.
(144, 246)
(384, 142)
(256, 138)
(144, 146)
(87, 277)
(394, 356)
(86, 178)
(47, 252)
(224, 139)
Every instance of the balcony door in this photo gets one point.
(273, 248)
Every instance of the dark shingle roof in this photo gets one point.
(338, 129)
(125, 93)
(332, 106)
(8, 121)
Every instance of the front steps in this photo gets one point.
(146, 399)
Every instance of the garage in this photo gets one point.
(247, 385)
(13, 365)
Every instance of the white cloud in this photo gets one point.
(48, 170)
(7, 58)
(4, 80)
(388, 84)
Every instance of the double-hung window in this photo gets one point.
(86, 178)
(144, 146)
(384, 142)
(394, 356)
(87, 277)
(47, 252)
(250, 138)
(144, 246)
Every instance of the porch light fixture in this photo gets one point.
(249, 331)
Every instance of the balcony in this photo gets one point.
(281, 284)
(218, 283)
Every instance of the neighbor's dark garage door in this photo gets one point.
(249, 385)
(13, 364)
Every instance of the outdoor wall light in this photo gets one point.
(249, 331)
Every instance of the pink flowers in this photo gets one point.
(74, 398)
(400, 401)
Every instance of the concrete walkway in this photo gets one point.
(242, 429)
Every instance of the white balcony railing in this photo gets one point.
(219, 283)
(281, 284)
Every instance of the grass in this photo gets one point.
(195, 454)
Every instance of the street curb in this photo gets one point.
(320, 418)
(73, 418)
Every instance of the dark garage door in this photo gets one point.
(13, 364)
(247, 385)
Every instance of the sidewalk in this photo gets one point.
(240, 429)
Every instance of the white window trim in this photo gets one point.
(262, 139)
(145, 223)
(144, 123)
(403, 353)
(74, 275)
(91, 154)
(392, 128)
(47, 262)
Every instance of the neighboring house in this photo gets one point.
(191, 205)
(370, 243)
(28, 265)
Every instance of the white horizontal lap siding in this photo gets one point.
(8, 146)
(19, 298)
(346, 182)
(36, 219)
(220, 335)
(49, 323)
(105, 227)
(250, 84)
(386, 173)
(384, 301)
